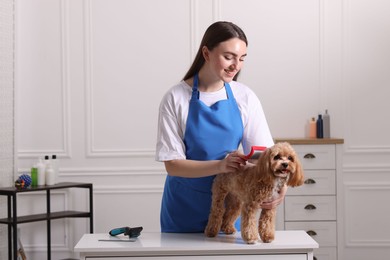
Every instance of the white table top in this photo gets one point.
(194, 243)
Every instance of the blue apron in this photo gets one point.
(211, 133)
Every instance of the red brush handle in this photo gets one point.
(254, 149)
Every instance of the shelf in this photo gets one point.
(62, 185)
(44, 217)
(12, 220)
(310, 140)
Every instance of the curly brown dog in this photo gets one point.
(243, 192)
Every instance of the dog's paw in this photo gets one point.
(251, 242)
(229, 230)
(267, 238)
(250, 238)
(211, 231)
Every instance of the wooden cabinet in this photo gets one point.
(313, 206)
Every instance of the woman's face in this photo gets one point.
(226, 59)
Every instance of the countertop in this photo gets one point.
(149, 244)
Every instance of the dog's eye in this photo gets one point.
(277, 157)
(290, 158)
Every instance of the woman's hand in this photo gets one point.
(276, 202)
(233, 162)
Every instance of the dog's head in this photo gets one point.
(281, 161)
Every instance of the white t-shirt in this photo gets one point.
(173, 114)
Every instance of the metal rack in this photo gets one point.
(13, 219)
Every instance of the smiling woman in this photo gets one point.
(223, 62)
(204, 118)
(218, 34)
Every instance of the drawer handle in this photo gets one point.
(310, 181)
(309, 156)
(310, 207)
(311, 233)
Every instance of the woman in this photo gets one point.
(202, 122)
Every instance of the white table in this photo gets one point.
(288, 245)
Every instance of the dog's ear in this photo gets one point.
(297, 177)
(264, 166)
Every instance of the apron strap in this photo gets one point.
(228, 89)
(195, 91)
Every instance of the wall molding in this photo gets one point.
(65, 77)
(109, 153)
(216, 10)
(91, 150)
(322, 60)
(366, 149)
(357, 168)
(55, 195)
(128, 189)
(111, 171)
(350, 187)
(194, 29)
(348, 87)
(33, 154)
(65, 152)
(88, 69)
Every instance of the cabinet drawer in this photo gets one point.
(317, 182)
(310, 208)
(315, 157)
(324, 233)
(325, 253)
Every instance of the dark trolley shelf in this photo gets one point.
(13, 219)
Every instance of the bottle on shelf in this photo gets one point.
(326, 124)
(313, 128)
(54, 163)
(320, 133)
(47, 160)
(41, 172)
(34, 176)
(49, 175)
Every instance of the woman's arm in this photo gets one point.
(231, 163)
(195, 169)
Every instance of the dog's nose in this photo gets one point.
(285, 165)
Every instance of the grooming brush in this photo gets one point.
(133, 233)
(127, 231)
(255, 152)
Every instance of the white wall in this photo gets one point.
(7, 117)
(90, 76)
(366, 167)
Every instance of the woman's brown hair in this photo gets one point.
(216, 33)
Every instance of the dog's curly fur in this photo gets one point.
(243, 192)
